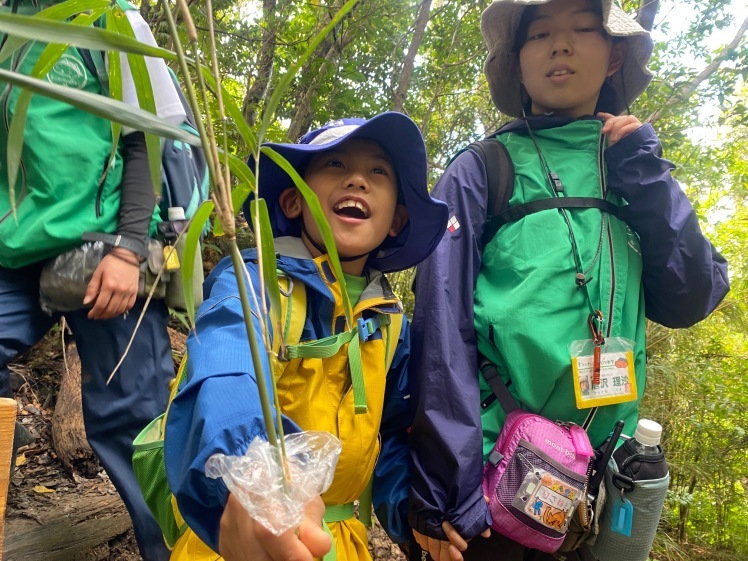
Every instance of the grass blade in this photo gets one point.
(191, 247)
(143, 88)
(319, 218)
(58, 12)
(102, 106)
(94, 38)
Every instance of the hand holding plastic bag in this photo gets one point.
(258, 481)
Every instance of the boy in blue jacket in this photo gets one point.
(370, 179)
(566, 69)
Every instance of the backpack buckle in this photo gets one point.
(367, 328)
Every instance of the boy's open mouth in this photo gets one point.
(351, 209)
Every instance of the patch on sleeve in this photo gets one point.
(453, 225)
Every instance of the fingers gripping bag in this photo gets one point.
(536, 476)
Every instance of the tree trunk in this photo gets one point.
(403, 84)
(333, 45)
(256, 92)
(68, 431)
(683, 92)
(302, 119)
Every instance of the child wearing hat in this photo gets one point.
(370, 179)
(554, 280)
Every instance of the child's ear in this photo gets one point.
(617, 54)
(290, 203)
(399, 221)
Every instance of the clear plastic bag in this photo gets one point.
(257, 479)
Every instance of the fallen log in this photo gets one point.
(69, 528)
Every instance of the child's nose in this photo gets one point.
(357, 180)
(561, 45)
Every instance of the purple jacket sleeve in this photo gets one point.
(684, 276)
(446, 439)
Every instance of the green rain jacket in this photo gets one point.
(68, 181)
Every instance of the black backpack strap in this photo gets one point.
(498, 387)
(88, 61)
(500, 180)
(520, 211)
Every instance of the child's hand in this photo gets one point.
(243, 539)
(617, 127)
(443, 550)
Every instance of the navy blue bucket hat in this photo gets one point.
(402, 140)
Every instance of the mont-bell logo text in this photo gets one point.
(563, 450)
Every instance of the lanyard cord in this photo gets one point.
(554, 184)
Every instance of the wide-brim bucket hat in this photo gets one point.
(500, 24)
(402, 140)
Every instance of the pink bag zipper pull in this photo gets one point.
(581, 441)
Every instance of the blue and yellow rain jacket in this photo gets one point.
(218, 409)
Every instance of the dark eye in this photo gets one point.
(537, 36)
(380, 171)
(588, 29)
(335, 164)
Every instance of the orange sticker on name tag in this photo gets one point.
(617, 380)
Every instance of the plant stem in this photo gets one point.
(267, 414)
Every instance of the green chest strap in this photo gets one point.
(330, 346)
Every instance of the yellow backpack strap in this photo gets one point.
(292, 318)
(392, 337)
(174, 388)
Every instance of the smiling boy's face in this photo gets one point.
(357, 189)
(566, 57)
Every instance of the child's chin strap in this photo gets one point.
(323, 250)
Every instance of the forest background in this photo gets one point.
(426, 58)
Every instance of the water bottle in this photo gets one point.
(175, 289)
(636, 481)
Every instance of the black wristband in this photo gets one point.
(117, 240)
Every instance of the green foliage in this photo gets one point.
(696, 383)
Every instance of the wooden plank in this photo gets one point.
(8, 409)
(71, 528)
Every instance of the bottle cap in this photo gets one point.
(176, 213)
(648, 432)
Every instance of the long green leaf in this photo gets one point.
(46, 61)
(115, 89)
(319, 218)
(269, 263)
(143, 88)
(101, 106)
(94, 38)
(57, 12)
(285, 81)
(191, 247)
